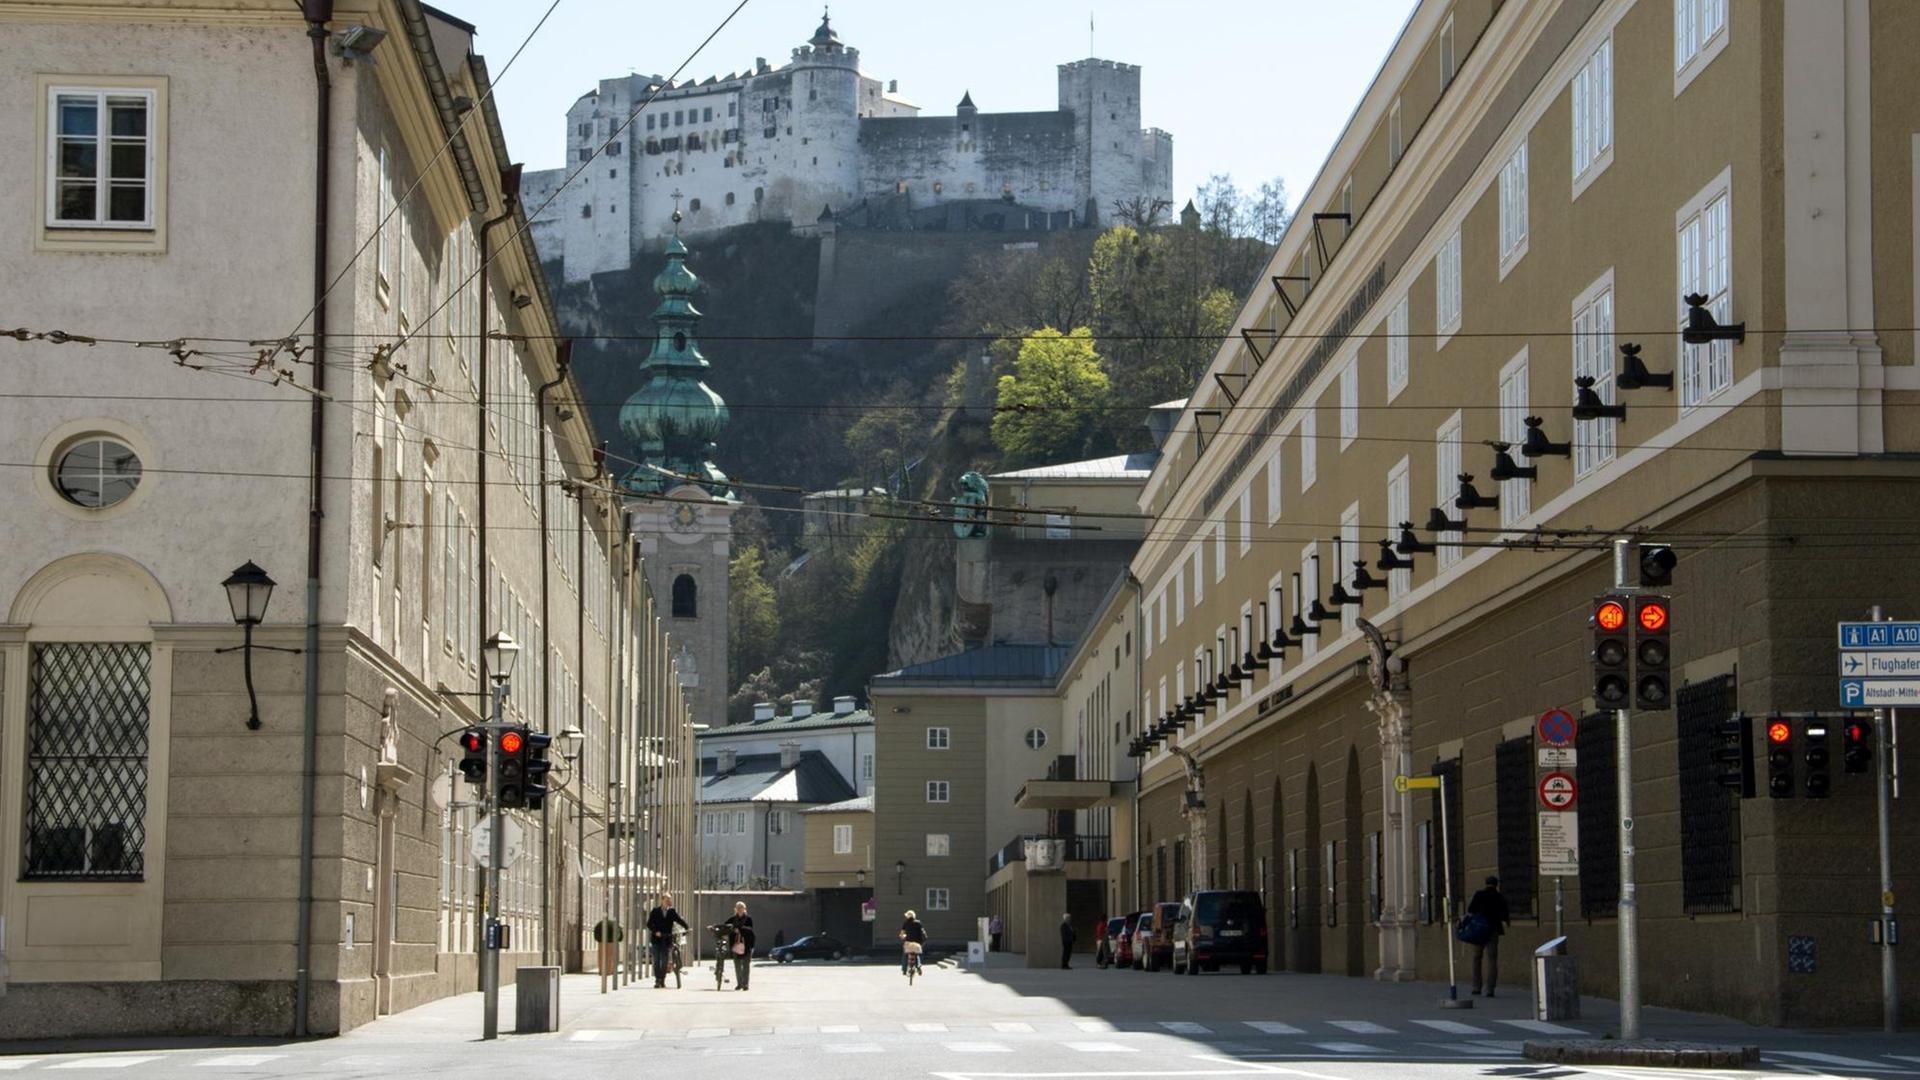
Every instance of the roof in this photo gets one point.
(780, 725)
(760, 778)
(989, 663)
(1136, 466)
(861, 805)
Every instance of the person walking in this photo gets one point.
(993, 934)
(660, 923)
(742, 946)
(1066, 941)
(1490, 905)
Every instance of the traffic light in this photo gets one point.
(1656, 566)
(534, 786)
(1819, 759)
(1779, 758)
(1856, 745)
(511, 790)
(473, 755)
(1609, 621)
(1652, 652)
(1733, 753)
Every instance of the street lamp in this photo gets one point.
(248, 590)
(500, 652)
(900, 876)
(570, 738)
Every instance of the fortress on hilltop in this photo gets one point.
(818, 140)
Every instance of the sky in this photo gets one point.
(1256, 89)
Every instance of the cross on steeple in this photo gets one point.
(676, 212)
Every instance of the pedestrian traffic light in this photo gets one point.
(1733, 753)
(1819, 779)
(1779, 758)
(1609, 621)
(1656, 566)
(473, 755)
(1856, 745)
(1652, 652)
(510, 791)
(534, 787)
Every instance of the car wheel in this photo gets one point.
(1246, 969)
(839, 954)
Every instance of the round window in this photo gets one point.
(96, 471)
(1036, 739)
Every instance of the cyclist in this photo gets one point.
(913, 935)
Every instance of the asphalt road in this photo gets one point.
(828, 1021)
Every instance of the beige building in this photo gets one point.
(330, 355)
(839, 839)
(1524, 199)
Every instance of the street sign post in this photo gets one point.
(1557, 727)
(1879, 664)
(1559, 844)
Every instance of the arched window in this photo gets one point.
(686, 597)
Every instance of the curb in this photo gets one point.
(1649, 1052)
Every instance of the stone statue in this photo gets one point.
(970, 513)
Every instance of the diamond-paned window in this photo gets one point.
(87, 762)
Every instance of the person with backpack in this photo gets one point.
(1489, 905)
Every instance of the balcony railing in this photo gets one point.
(1084, 848)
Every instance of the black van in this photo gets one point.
(1221, 928)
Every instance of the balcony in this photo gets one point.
(1061, 791)
(1078, 849)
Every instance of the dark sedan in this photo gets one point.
(811, 947)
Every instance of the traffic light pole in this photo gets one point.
(496, 851)
(1629, 911)
(1889, 977)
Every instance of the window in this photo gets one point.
(1343, 563)
(649, 122)
(1516, 496)
(1705, 247)
(1309, 448)
(1246, 519)
(843, 839)
(1446, 476)
(938, 845)
(1699, 33)
(938, 900)
(1349, 403)
(1199, 573)
(1593, 116)
(1179, 595)
(96, 471)
(1709, 813)
(776, 874)
(706, 115)
(1513, 209)
(102, 157)
(1395, 147)
(1219, 549)
(1515, 799)
(939, 738)
(866, 766)
(686, 597)
(1306, 592)
(1273, 485)
(1446, 54)
(936, 791)
(86, 803)
(1346, 203)
(740, 821)
(382, 241)
(1399, 509)
(1397, 349)
(1446, 289)
(1036, 739)
(1593, 440)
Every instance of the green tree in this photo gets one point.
(753, 615)
(1053, 403)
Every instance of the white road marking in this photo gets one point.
(1186, 1027)
(839, 1029)
(1274, 1027)
(1497, 1046)
(1094, 1025)
(115, 1062)
(978, 1048)
(1473, 1049)
(1011, 1025)
(17, 1063)
(1541, 1027)
(740, 1050)
(852, 1048)
(1346, 1048)
(1101, 1048)
(239, 1061)
(1453, 1027)
(924, 1029)
(1360, 1027)
(1827, 1059)
(709, 1033)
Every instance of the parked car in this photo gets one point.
(811, 947)
(1142, 940)
(1123, 945)
(1108, 942)
(1219, 928)
(1157, 946)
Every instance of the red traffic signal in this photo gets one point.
(510, 742)
(1856, 740)
(473, 757)
(1652, 615)
(472, 741)
(1610, 616)
(1779, 731)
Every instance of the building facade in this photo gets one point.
(1398, 496)
(785, 144)
(270, 838)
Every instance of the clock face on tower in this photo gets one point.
(683, 518)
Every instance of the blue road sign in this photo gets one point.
(1557, 727)
(1880, 635)
(1879, 693)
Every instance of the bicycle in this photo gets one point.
(675, 959)
(722, 948)
(913, 960)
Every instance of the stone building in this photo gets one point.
(260, 832)
(819, 137)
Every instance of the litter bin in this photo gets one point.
(1556, 982)
(536, 1000)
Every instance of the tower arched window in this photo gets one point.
(686, 597)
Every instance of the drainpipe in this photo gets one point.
(509, 197)
(580, 704)
(546, 633)
(1133, 830)
(318, 13)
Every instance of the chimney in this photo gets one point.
(789, 754)
(893, 86)
(802, 710)
(725, 762)
(762, 710)
(843, 706)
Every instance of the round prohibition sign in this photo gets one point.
(1557, 791)
(1557, 727)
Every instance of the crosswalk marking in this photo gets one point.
(1360, 1027)
(1497, 1046)
(1475, 1049)
(1012, 1025)
(1274, 1027)
(839, 1029)
(240, 1061)
(1093, 1025)
(114, 1062)
(925, 1029)
(1346, 1048)
(18, 1063)
(853, 1048)
(1827, 1059)
(1453, 1027)
(1541, 1027)
(1101, 1048)
(1186, 1027)
(978, 1048)
(708, 1033)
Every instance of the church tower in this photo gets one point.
(681, 502)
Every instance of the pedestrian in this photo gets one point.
(1066, 941)
(779, 937)
(660, 923)
(993, 933)
(607, 933)
(1490, 905)
(742, 946)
